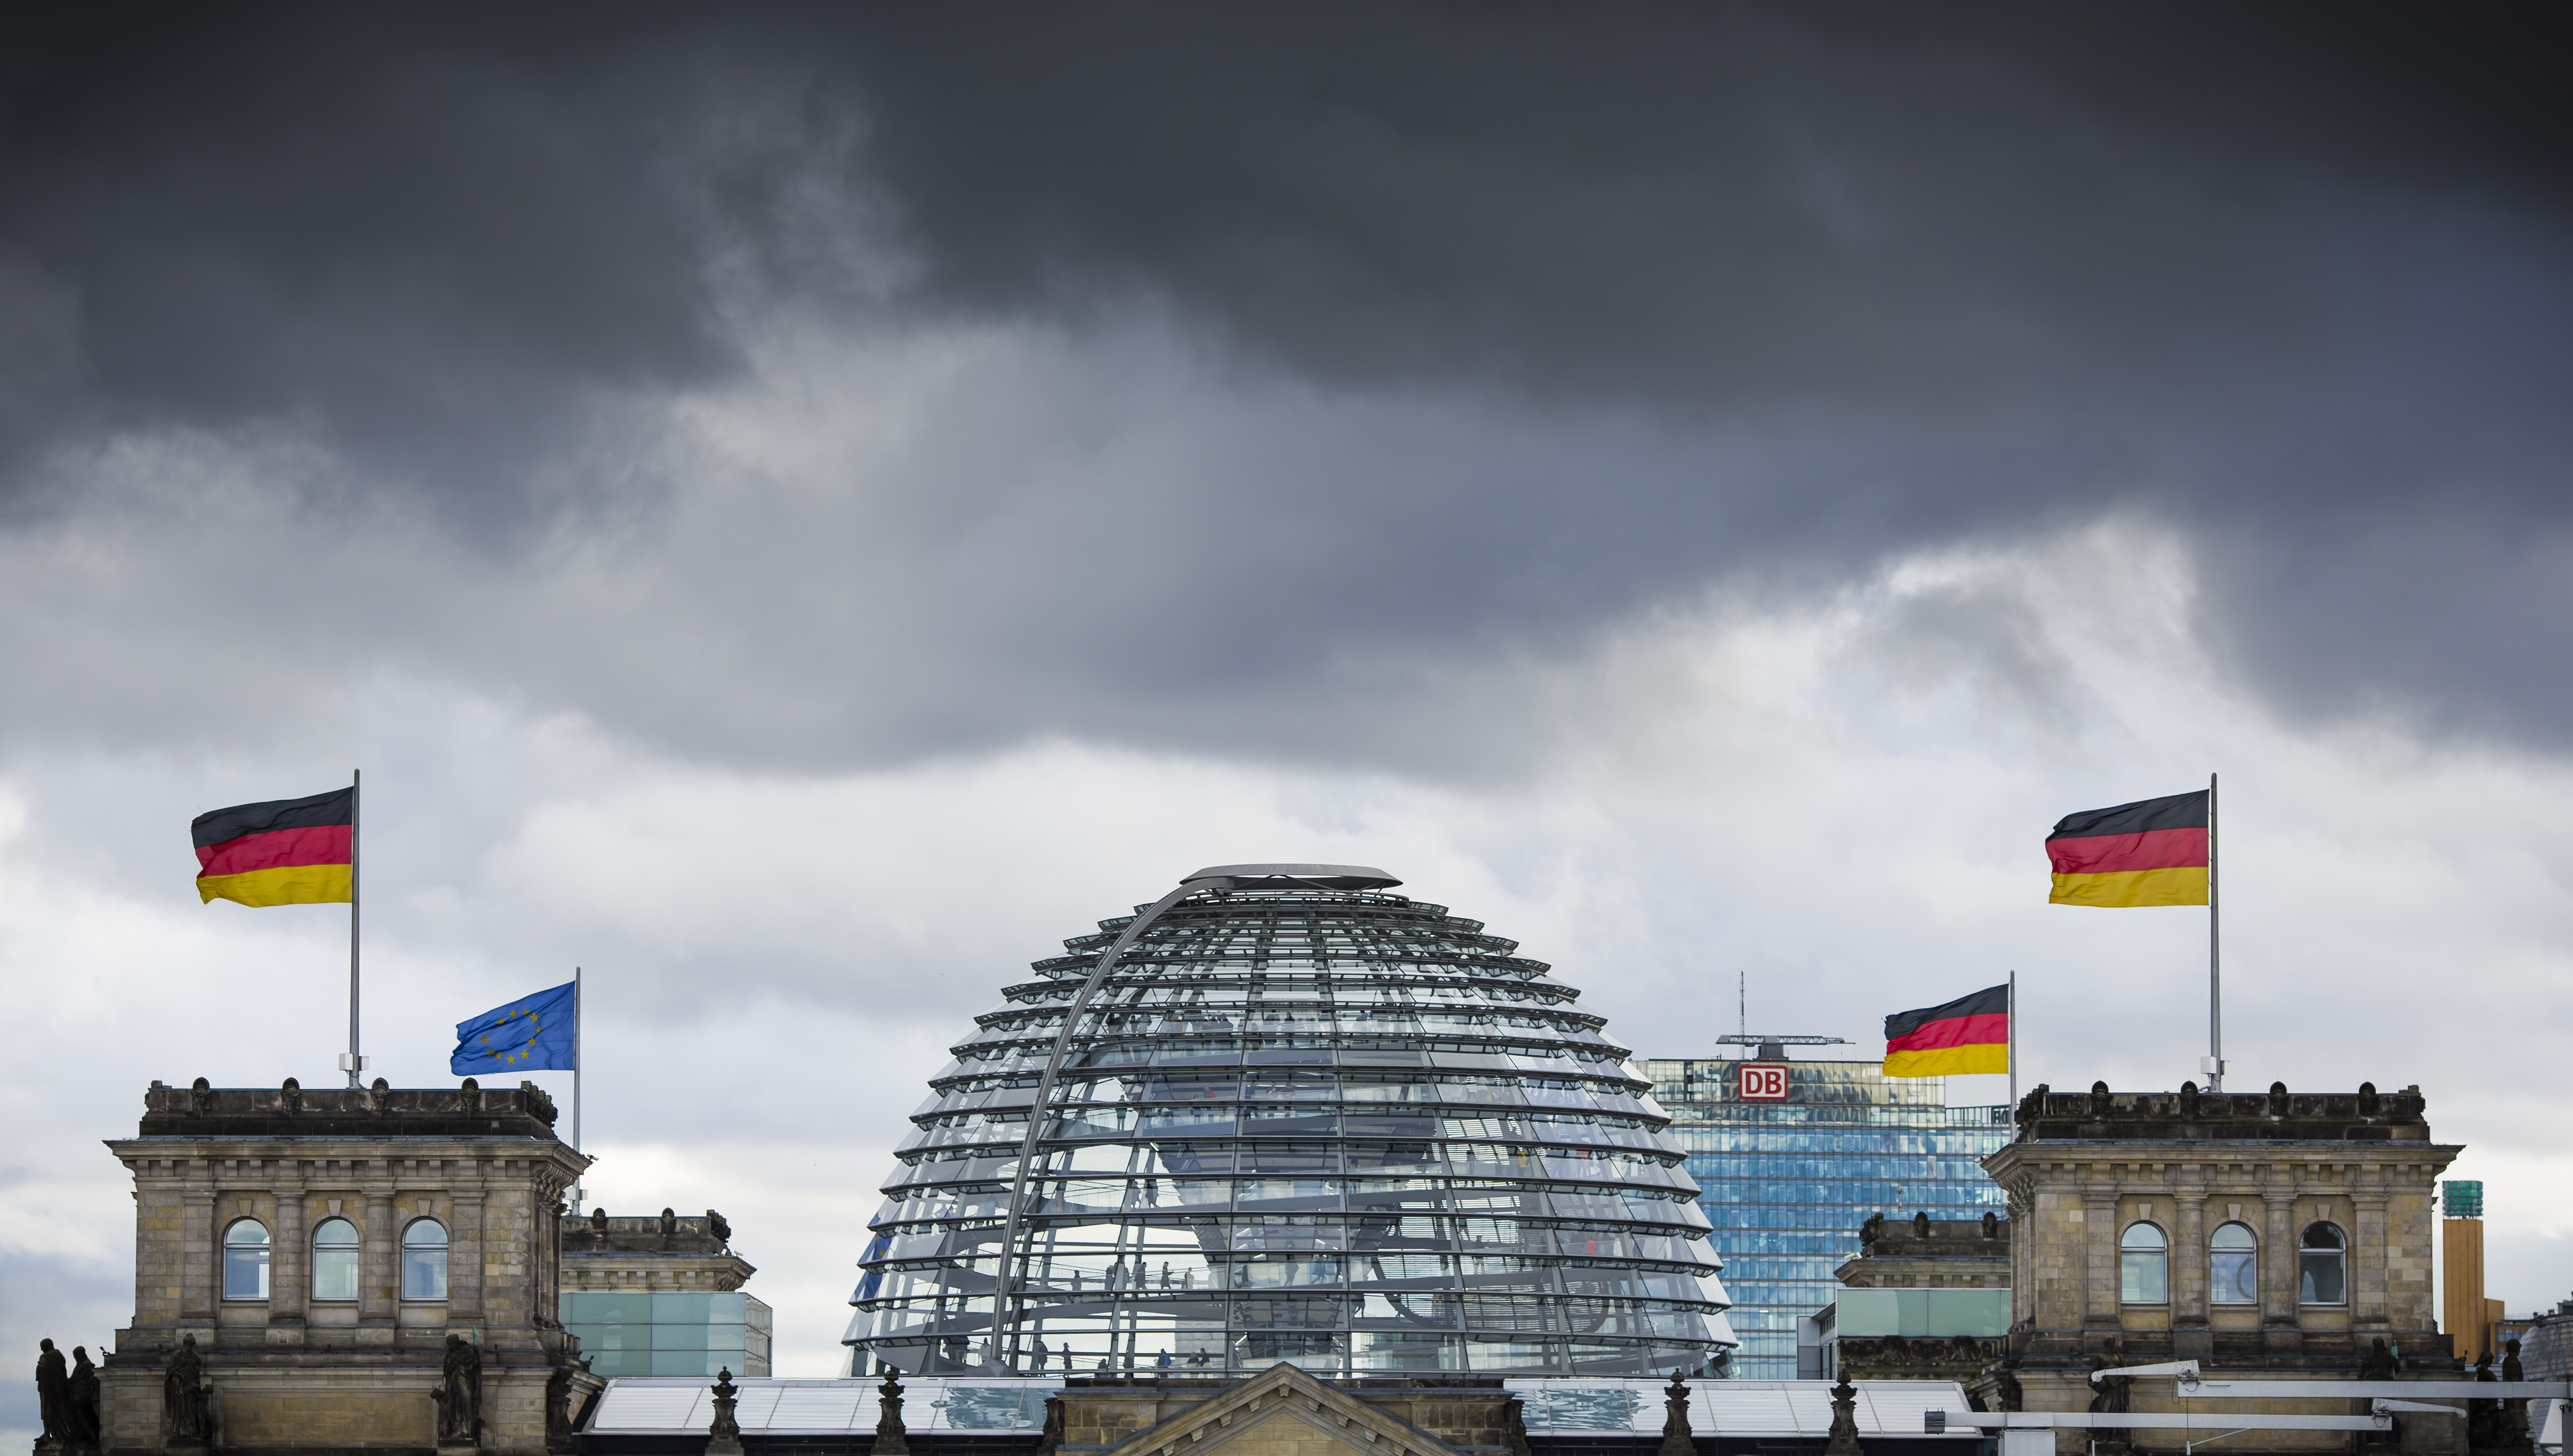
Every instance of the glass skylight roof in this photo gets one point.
(1292, 1121)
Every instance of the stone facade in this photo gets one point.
(1283, 1411)
(1921, 1252)
(2092, 1171)
(664, 1253)
(225, 1175)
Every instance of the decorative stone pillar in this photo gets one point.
(2099, 1258)
(290, 1270)
(2189, 1251)
(2277, 1250)
(2369, 1240)
(198, 1262)
(464, 1258)
(375, 1259)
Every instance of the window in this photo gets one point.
(424, 1261)
(246, 1260)
(335, 1259)
(2321, 1266)
(2232, 1266)
(2142, 1260)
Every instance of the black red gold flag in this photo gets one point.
(2152, 852)
(1966, 1036)
(283, 852)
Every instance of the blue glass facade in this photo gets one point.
(1785, 1183)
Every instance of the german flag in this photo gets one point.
(1966, 1036)
(285, 852)
(2152, 852)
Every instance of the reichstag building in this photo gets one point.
(1284, 1113)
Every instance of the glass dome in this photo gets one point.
(1288, 1116)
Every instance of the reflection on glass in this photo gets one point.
(2320, 1267)
(2232, 1266)
(1345, 1130)
(335, 1259)
(2144, 1258)
(424, 1261)
(246, 1260)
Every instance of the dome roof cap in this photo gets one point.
(1296, 877)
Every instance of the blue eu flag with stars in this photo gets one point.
(532, 1034)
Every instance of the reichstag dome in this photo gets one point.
(1284, 1115)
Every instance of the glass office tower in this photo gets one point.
(1786, 1181)
(1284, 1114)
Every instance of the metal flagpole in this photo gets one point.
(2215, 961)
(352, 1062)
(576, 1084)
(2012, 1008)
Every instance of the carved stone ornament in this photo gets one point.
(1676, 1438)
(2098, 1100)
(2031, 1106)
(558, 1408)
(1920, 1224)
(2277, 1099)
(1844, 1441)
(2379, 1362)
(53, 1395)
(183, 1395)
(669, 1225)
(1992, 1224)
(459, 1396)
(380, 1096)
(81, 1402)
(291, 1096)
(723, 1436)
(201, 1097)
(2188, 1100)
(2369, 1103)
(1050, 1439)
(891, 1440)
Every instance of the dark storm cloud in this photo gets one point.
(1768, 289)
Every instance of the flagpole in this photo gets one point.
(352, 1062)
(2014, 1041)
(576, 1085)
(2214, 962)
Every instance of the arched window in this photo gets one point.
(424, 1259)
(2143, 1260)
(335, 1259)
(2322, 1265)
(2234, 1265)
(246, 1260)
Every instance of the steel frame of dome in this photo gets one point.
(1288, 1115)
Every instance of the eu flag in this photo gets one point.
(532, 1034)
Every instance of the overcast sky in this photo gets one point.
(798, 511)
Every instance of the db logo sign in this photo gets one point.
(1762, 1082)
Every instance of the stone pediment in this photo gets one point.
(1283, 1411)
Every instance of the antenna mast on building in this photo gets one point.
(1773, 1047)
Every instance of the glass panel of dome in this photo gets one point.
(1287, 1115)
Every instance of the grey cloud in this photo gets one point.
(1595, 308)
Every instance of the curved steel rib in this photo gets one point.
(1004, 1283)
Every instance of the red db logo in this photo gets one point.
(1762, 1082)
